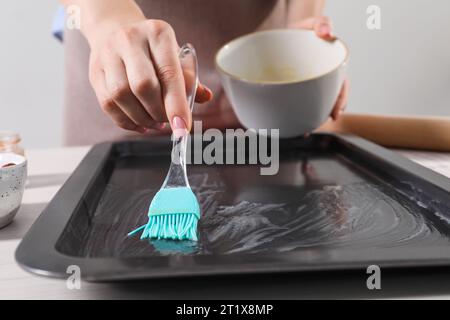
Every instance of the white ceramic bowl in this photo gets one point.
(283, 79)
(12, 184)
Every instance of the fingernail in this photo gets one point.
(325, 29)
(179, 127)
(208, 90)
(209, 94)
(178, 123)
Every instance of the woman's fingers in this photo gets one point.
(121, 119)
(118, 87)
(141, 74)
(139, 80)
(164, 53)
(143, 79)
(97, 79)
(321, 25)
(324, 29)
(341, 102)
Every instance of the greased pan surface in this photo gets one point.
(336, 203)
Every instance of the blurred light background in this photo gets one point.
(402, 69)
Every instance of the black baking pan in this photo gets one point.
(336, 203)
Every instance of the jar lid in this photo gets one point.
(8, 138)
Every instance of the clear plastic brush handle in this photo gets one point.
(177, 176)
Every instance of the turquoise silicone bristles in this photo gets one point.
(173, 214)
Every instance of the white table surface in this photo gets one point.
(49, 168)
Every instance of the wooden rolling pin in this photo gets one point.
(422, 133)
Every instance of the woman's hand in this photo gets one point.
(323, 28)
(136, 74)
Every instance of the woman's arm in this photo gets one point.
(134, 67)
(98, 15)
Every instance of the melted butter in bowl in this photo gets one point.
(276, 73)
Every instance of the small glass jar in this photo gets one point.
(10, 142)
